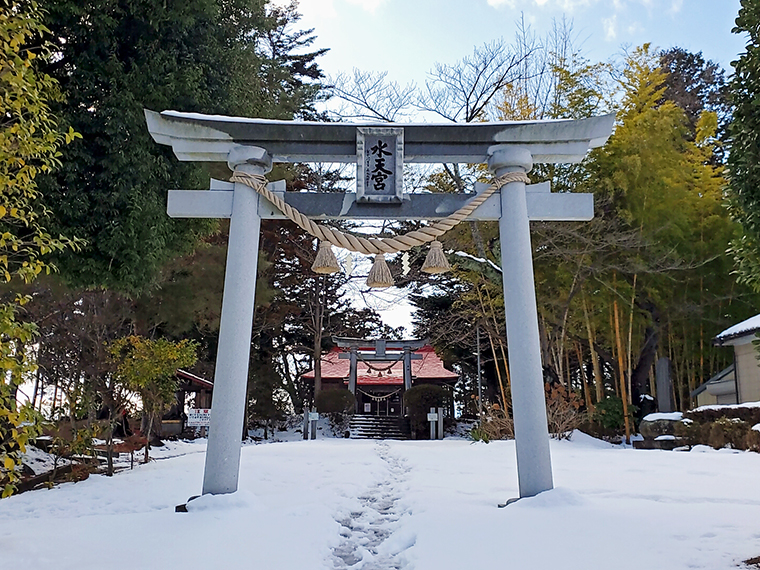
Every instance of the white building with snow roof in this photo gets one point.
(740, 382)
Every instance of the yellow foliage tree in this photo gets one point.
(29, 143)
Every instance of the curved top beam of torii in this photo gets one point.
(209, 138)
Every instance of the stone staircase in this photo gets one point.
(365, 426)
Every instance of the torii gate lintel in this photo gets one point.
(406, 347)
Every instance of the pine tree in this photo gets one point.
(116, 58)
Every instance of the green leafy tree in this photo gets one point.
(30, 142)
(662, 181)
(744, 144)
(17, 424)
(148, 367)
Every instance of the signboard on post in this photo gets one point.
(433, 419)
(199, 417)
(379, 164)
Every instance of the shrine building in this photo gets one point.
(379, 372)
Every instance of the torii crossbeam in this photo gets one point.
(251, 145)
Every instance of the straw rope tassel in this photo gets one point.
(325, 262)
(379, 276)
(436, 261)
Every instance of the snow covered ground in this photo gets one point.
(337, 504)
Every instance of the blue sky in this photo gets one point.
(406, 37)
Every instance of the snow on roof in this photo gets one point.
(429, 368)
(751, 325)
(233, 119)
(194, 379)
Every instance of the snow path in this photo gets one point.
(367, 530)
(335, 504)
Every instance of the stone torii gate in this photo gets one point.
(252, 145)
(378, 353)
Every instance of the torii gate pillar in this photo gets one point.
(231, 374)
(534, 467)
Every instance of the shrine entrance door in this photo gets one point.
(380, 401)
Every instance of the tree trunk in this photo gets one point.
(318, 324)
(147, 438)
(598, 378)
(317, 365)
(586, 391)
(621, 369)
(477, 239)
(634, 399)
(109, 450)
(498, 372)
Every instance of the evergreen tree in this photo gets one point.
(294, 328)
(663, 184)
(695, 85)
(117, 57)
(744, 144)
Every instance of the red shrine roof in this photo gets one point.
(429, 368)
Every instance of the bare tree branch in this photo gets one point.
(368, 95)
(462, 92)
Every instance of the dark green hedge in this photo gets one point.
(335, 401)
(419, 400)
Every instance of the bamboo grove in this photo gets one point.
(649, 277)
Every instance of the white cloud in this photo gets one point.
(314, 9)
(571, 5)
(326, 8)
(610, 28)
(676, 6)
(368, 5)
(566, 5)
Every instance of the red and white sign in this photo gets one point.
(199, 417)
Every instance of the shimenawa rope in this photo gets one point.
(376, 246)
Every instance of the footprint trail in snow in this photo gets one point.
(368, 539)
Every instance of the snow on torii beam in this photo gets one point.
(209, 138)
(253, 144)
